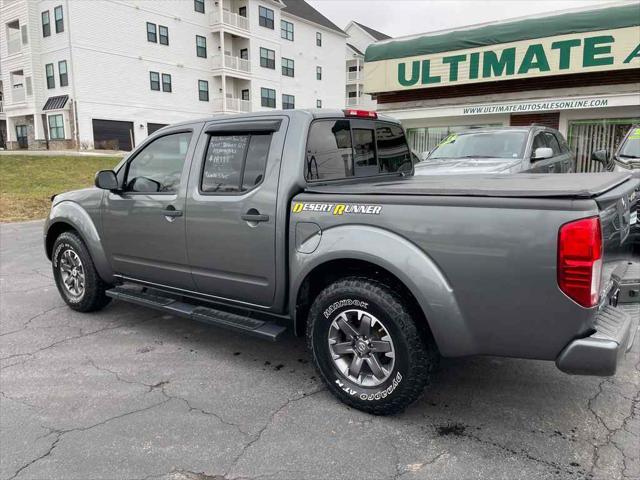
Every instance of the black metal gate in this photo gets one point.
(588, 136)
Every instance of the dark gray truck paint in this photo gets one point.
(478, 253)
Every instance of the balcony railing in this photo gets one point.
(354, 76)
(235, 63)
(230, 19)
(231, 105)
(14, 44)
(238, 105)
(17, 95)
(351, 101)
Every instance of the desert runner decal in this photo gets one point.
(337, 208)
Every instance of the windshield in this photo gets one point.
(631, 148)
(497, 144)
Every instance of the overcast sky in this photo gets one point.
(406, 17)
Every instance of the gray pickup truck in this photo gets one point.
(312, 221)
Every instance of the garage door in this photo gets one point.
(112, 135)
(154, 127)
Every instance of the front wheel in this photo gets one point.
(367, 346)
(76, 277)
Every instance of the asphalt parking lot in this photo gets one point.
(128, 393)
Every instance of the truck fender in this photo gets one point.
(77, 217)
(412, 266)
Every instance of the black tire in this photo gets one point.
(92, 296)
(415, 353)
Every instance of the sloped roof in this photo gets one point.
(302, 9)
(506, 32)
(355, 49)
(374, 33)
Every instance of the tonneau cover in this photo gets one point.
(572, 185)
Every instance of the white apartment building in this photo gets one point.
(360, 37)
(106, 73)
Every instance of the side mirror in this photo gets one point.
(107, 180)
(542, 153)
(601, 156)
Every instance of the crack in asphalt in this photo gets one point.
(521, 453)
(61, 433)
(22, 402)
(65, 340)
(161, 385)
(611, 432)
(260, 432)
(26, 324)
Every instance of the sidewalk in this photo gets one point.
(65, 153)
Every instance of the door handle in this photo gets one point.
(255, 217)
(171, 211)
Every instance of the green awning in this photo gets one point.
(567, 23)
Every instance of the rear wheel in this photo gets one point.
(75, 275)
(367, 346)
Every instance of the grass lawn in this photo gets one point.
(27, 182)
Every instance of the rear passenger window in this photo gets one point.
(365, 152)
(234, 163)
(343, 148)
(329, 151)
(393, 151)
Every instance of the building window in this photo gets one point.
(154, 78)
(242, 11)
(166, 82)
(318, 39)
(63, 74)
(286, 30)
(268, 97)
(318, 103)
(287, 67)
(288, 102)
(198, 6)
(318, 73)
(164, 35)
(201, 46)
(265, 17)
(203, 90)
(245, 94)
(151, 33)
(51, 81)
(46, 24)
(267, 58)
(59, 18)
(56, 127)
(244, 53)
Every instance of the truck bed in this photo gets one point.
(576, 185)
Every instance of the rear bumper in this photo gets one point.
(600, 353)
(615, 328)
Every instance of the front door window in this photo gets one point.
(158, 167)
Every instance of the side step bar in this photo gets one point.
(265, 329)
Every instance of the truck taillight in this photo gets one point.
(580, 260)
(351, 112)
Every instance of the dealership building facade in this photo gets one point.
(577, 71)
